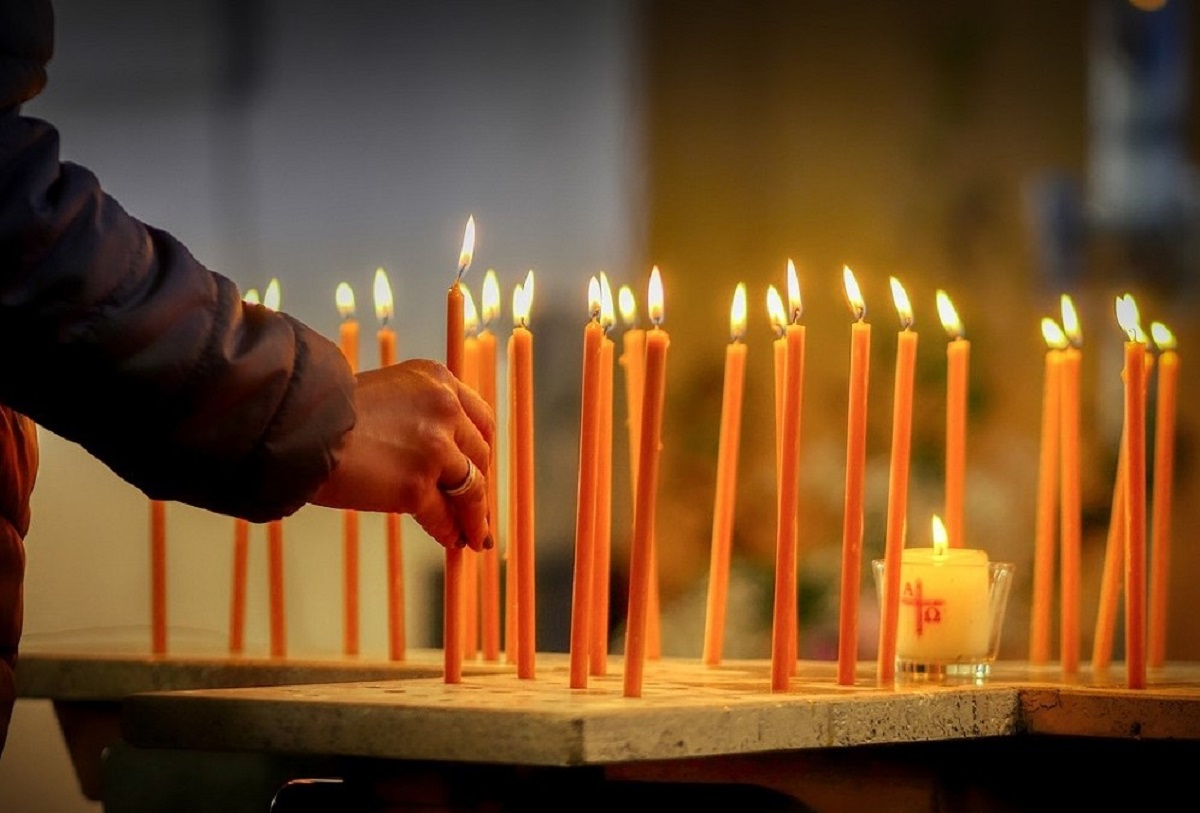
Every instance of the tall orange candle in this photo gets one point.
(777, 313)
(470, 377)
(856, 456)
(645, 504)
(158, 577)
(241, 556)
(348, 336)
(585, 507)
(511, 557)
(522, 406)
(958, 359)
(1135, 495)
(633, 361)
(1071, 510)
(394, 542)
(1113, 571)
(784, 625)
(489, 560)
(278, 617)
(237, 603)
(602, 549)
(453, 623)
(726, 489)
(1160, 511)
(1045, 536)
(897, 510)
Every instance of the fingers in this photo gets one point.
(463, 482)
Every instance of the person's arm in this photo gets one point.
(114, 336)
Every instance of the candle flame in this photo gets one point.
(1070, 321)
(795, 308)
(737, 313)
(903, 306)
(470, 314)
(1163, 337)
(654, 297)
(468, 247)
(1127, 317)
(608, 312)
(523, 301)
(382, 291)
(1053, 334)
(940, 537)
(948, 315)
(272, 296)
(490, 297)
(251, 296)
(775, 311)
(594, 298)
(853, 295)
(628, 306)
(344, 297)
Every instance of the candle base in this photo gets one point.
(949, 673)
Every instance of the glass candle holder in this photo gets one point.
(951, 615)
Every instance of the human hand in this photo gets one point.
(417, 435)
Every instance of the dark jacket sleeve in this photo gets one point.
(114, 336)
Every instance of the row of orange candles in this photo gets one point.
(1125, 559)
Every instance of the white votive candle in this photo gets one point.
(944, 616)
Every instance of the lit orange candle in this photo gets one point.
(726, 490)
(348, 336)
(453, 623)
(1045, 535)
(241, 556)
(1071, 510)
(856, 456)
(386, 336)
(1164, 473)
(602, 558)
(958, 359)
(585, 508)
(511, 558)
(650, 437)
(897, 510)
(489, 560)
(521, 354)
(278, 618)
(470, 558)
(158, 577)
(633, 361)
(784, 625)
(1135, 494)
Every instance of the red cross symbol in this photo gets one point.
(929, 611)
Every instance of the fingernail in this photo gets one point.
(488, 542)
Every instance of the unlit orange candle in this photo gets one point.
(783, 627)
(585, 506)
(1135, 495)
(489, 560)
(644, 511)
(726, 491)
(1113, 571)
(1045, 536)
(158, 577)
(1071, 510)
(602, 549)
(237, 604)
(522, 361)
(470, 377)
(397, 638)
(958, 359)
(348, 336)
(453, 626)
(897, 509)
(1164, 473)
(275, 588)
(856, 455)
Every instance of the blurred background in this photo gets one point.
(1005, 152)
